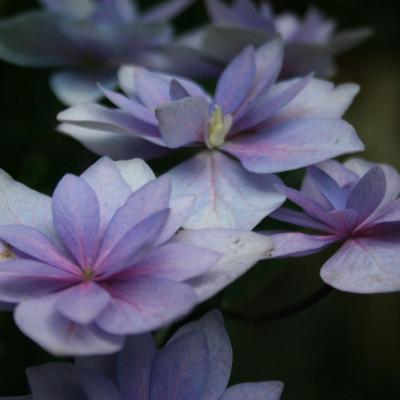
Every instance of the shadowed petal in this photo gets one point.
(71, 8)
(294, 144)
(166, 10)
(77, 218)
(181, 368)
(226, 194)
(254, 391)
(144, 304)
(97, 387)
(365, 265)
(240, 249)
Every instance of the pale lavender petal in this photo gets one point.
(180, 369)
(294, 144)
(184, 121)
(166, 10)
(77, 217)
(219, 352)
(365, 265)
(226, 194)
(115, 145)
(175, 261)
(135, 172)
(36, 245)
(241, 249)
(254, 391)
(118, 255)
(40, 321)
(236, 81)
(135, 364)
(144, 304)
(296, 244)
(25, 279)
(81, 86)
(83, 303)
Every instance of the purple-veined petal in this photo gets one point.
(254, 391)
(240, 250)
(296, 244)
(227, 196)
(219, 352)
(40, 321)
(184, 121)
(36, 245)
(175, 261)
(365, 265)
(181, 368)
(77, 218)
(143, 304)
(236, 81)
(83, 303)
(26, 279)
(166, 10)
(293, 145)
(81, 86)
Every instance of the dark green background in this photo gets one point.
(347, 346)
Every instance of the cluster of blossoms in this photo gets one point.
(117, 253)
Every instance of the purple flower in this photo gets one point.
(269, 127)
(356, 205)
(88, 39)
(194, 365)
(102, 260)
(311, 43)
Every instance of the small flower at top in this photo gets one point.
(357, 206)
(102, 259)
(252, 127)
(89, 39)
(195, 364)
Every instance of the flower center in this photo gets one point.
(88, 274)
(218, 127)
(6, 254)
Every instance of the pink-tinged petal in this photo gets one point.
(165, 11)
(20, 205)
(25, 279)
(219, 352)
(135, 365)
(254, 391)
(181, 368)
(240, 249)
(184, 121)
(144, 304)
(77, 218)
(365, 265)
(115, 145)
(110, 187)
(83, 303)
(227, 196)
(116, 256)
(293, 145)
(236, 81)
(174, 261)
(36, 245)
(319, 99)
(368, 193)
(100, 118)
(343, 221)
(41, 322)
(180, 208)
(296, 244)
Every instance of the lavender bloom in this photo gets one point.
(269, 127)
(311, 43)
(102, 260)
(356, 205)
(194, 365)
(88, 39)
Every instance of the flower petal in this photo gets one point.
(227, 196)
(254, 391)
(165, 11)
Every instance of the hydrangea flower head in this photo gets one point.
(356, 205)
(311, 43)
(194, 365)
(265, 126)
(102, 260)
(89, 38)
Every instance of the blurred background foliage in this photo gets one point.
(347, 346)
